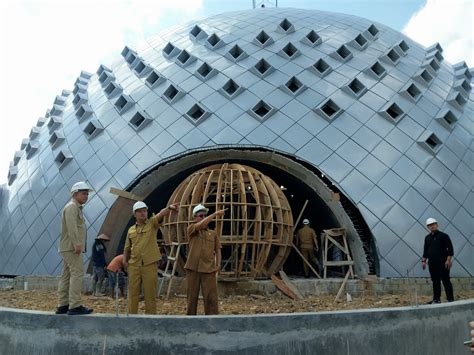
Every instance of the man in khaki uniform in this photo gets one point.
(203, 263)
(141, 254)
(307, 243)
(71, 245)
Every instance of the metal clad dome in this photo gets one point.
(387, 121)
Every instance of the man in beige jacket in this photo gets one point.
(71, 245)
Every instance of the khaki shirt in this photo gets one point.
(305, 237)
(202, 249)
(141, 243)
(73, 227)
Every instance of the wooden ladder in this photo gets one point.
(173, 257)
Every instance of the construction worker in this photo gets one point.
(114, 271)
(307, 243)
(204, 260)
(141, 254)
(99, 264)
(438, 250)
(72, 244)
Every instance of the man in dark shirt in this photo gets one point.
(98, 264)
(438, 250)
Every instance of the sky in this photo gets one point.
(44, 45)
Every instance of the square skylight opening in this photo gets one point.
(236, 53)
(79, 99)
(433, 64)
(139, 121)
(56, 138)
(413, 92)
(141, 68)
(124, 53)
(392, 112)
(262, 68)
(313, 37)
(447, 119)
(378, 70)
(106, 77)
(463, 85)
(329, 110)
(373, 31)
(342, 53)
(17, 157)
(361, 40)
(439, 57)
(103, 68)
(214, 41)
(83, 112)
(41, 121)
(263, 39)
(393, 56)
(172, 94)
(54, 122)
(79, 88)
(170, 50)
(356, 88)
(34, 132)
(425, 77)
(31, 149)
(130, 58)
(154, 79)
(92, 129)
(231, 89)
(185, 58)
(294, 86)
(290, 51)
(112, 89)
(62, 158)
(261, 111)
(321, 67)
(60, 100)
(197, 33)
(57, 110)
(123, 103)
(205, 71)
(285, 26)
(403, 47)
(430, 142)
(458, 99)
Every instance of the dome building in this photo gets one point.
(372, 129)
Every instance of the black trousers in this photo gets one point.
(439, 272)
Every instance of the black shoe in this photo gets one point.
(62, 309)
(433, 302)
(80, 310)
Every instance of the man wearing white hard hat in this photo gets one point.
(72, 244)
(141, 254)
(438, 250)
(203, 262)
(307, 242)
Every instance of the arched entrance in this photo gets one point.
(299, 183)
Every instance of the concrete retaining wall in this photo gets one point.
(373, 286)
(438, 329)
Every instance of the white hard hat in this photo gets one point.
(199, 208)
(138, 205)
(431, 221)
(305, 221)
(80, 186)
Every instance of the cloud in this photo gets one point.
(46, 44)
(447, 22)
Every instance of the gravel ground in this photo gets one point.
(251, 304)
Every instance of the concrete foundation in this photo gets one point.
(438, 329)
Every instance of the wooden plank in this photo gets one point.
(290, 284)
(305, 260)
(342, 286)
(125, 194)
(282, 287)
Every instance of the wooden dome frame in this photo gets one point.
(258, 221)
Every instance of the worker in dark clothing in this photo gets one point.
(98, 264)
(438, 250)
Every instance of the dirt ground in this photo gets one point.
(251, 304)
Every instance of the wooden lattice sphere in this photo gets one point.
(257, 230)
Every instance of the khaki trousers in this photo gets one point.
(309, 255)
(139, 275)
(70, 282)
(208, 283)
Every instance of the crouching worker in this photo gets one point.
(116, 276)
(141, 254)
(203, 263)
